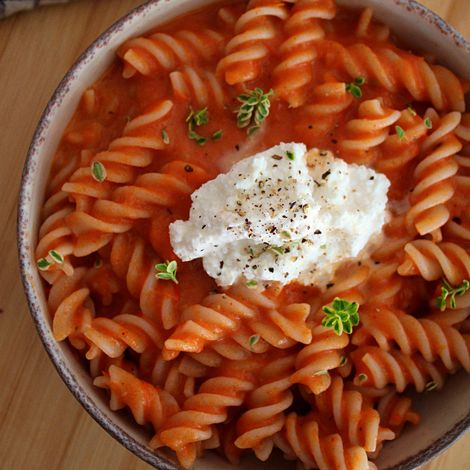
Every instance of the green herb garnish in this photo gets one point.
(56, 256)
(286, 234)
(167, 271)
(342, 316)
(216, 135)
(343, 361)
(279, 250)
(195, 119)
(165, 137)
(428, 123)
(254, 109)
(290, 155)
(355, 87)
(411, 110)
(362, 378)
(448, 291)
(198, 118)
(400, 132)
(98, 171)
(251, 284)
(253, 340)
(43, 264)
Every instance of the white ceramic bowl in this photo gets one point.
(445, 415)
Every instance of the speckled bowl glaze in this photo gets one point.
(445, 415)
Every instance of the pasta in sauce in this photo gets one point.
(253, 368)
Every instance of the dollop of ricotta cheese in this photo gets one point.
(284, 214)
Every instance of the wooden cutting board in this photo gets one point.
(41, 425)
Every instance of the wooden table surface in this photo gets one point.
(41, 425)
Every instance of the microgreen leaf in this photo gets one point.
(167, 271)
(344, 361)
(286, 234)
(355, 87)
(362, 378)
(447, 291)
(278, 250)
(254, 109)
(251, 284)
(290, 155)
(428, 123)
(165, 137)
(216, 135)
(342, 316)
(98, 171)
(43, 264)
(194, 119)
(253, 340)
(56, 256)
(411, 110)
(359, 81)
(400, 132)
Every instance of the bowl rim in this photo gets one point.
(27, 265)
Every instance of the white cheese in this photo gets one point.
(282, 215)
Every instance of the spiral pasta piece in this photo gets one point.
(386, 328)
(433, 178)
(255, 34)
(396, 70)
(114, 336)
(328, 102)
(395, 411)
(177, 377)
(199, 87)
(353, 417)
(163, 52)
(266, 405)
(130, 261)
(133, 150)
(302, 438)
(148, 404)
(365, 133)
(384, 284)
(54, 234)
(221, 315)
(396, 151)
(170, 187)
(229, 14)
(433, 261)
(195, 422)
(314, 361)
(294, 73)
(367, 29)
(377, 368)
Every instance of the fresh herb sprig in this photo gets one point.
(98, 171)
(167, 271)
(342, 316)
(355, 87)
(53, 257)
(449, 292)
(196, 119)
(254, 109)
(400, 132)
(253, 340)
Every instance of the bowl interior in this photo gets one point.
(445, 415)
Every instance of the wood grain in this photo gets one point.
(41, 424)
